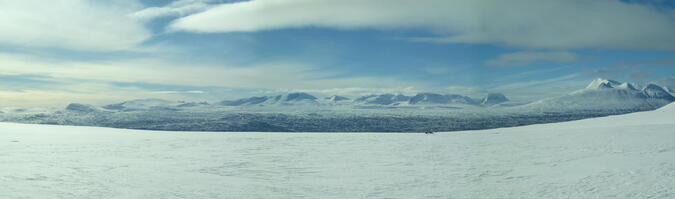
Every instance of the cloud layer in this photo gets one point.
(527, 57)
(551, 24)
(176, 8)
(278, 75)
(71, 24)
(60, 51)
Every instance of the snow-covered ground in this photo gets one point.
(626, 156)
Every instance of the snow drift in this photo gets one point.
(626, 156)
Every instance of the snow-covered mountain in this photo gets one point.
(494, 98)
(600, 94)
(603, 83)
(383, 99)
(295, 97)
(668, 84)
(387, 99)
(604, 94)
(657, 92)
(286, 99)
(192, 104)
(245, 101)
(82, 108)
(142, 104)
(337, 98)
(304, 112)
(434, 98)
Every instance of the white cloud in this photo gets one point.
(528, 57)
(61, 82)
(60, 92)
(278, 75)
(96, 94)
(545, 88)
(521, 85)
(551, 24)
(176, 8)
(71, 24)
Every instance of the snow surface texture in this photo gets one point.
(626, 156)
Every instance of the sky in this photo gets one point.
(93, 51)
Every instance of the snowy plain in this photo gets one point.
(624, 156)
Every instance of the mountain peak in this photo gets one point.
(494, 98)
(244, 101)
(383, 99)
(299, 96)
(82, 108)
(603, 84)
(627, 85)
(656, 91)
(434, 98)
(336, 98)
(429, 98)
(139, 104)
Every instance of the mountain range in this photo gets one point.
(387, 99)
(599, 94)
(303, 112)
(605, 94)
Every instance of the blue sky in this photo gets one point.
(58, 52)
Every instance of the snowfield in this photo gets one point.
(626, 156)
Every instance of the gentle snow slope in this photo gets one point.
(627, 156)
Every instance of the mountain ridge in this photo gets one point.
(598, 94)
(607, 94)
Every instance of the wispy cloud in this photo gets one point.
(538, 89)
(63, 51)
(521, 85)
(526, 58)
(531, 74)
(102, 77)
(521, 23)
(174, 9)
(62, 92)
(71, 24)
(270, 75)
(635, 70)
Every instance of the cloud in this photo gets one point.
(520, 85)
(44, 91)
(177, 8)
(273, 75)
(528, 57)
(97, 95)
(71, 24)
(667, 62)
(543, 88)
(634, 70)
(551, 24)
(88, 76)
